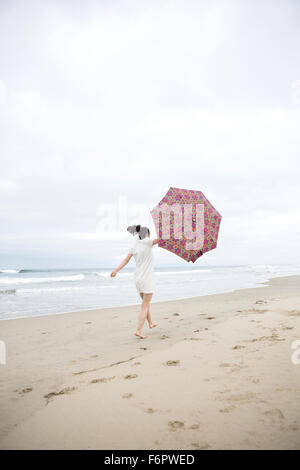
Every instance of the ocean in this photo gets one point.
(29, 293)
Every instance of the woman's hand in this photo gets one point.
(124, 262)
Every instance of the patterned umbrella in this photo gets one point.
(186, 223)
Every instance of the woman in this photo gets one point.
(144, 274)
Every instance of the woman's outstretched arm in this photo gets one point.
(124, 262)
(155, 241)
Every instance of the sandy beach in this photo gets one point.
(216, 373)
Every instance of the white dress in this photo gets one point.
(144, 273)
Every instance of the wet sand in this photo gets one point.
(216, 373)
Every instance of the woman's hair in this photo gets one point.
(142, 231)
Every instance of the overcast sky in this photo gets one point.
(105, 104)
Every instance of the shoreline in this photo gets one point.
(197, 297)
(214, 362)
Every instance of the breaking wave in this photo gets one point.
(34, 280)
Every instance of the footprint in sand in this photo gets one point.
(237, 367)
(136, 363)
(246, 397)
(93, 356)
(261, 302)
(163, 337)
(221, 392)
(174, 425)
(24, 390)
(210, 318)
(238, 347)
(228, 409)
(127, 395)
(275, 413)
(201, 446)
(131, 376)
(151, 410)
(88, 322)
(273, 338)
(176, 314)
(254, 381)
(194, 426)
(292, 313)
(144, 348)
(253, 310)
(195, 339)
(64, 391)
(102, 380)
(256, 310)
(293, 427)
(172, 363)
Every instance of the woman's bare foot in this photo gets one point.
(152, 325)
(140, 335)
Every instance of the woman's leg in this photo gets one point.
(143, 314)
(149, 319)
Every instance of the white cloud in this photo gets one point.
(7, 187)
(131, 98)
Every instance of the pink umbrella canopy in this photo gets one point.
(186, 223)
